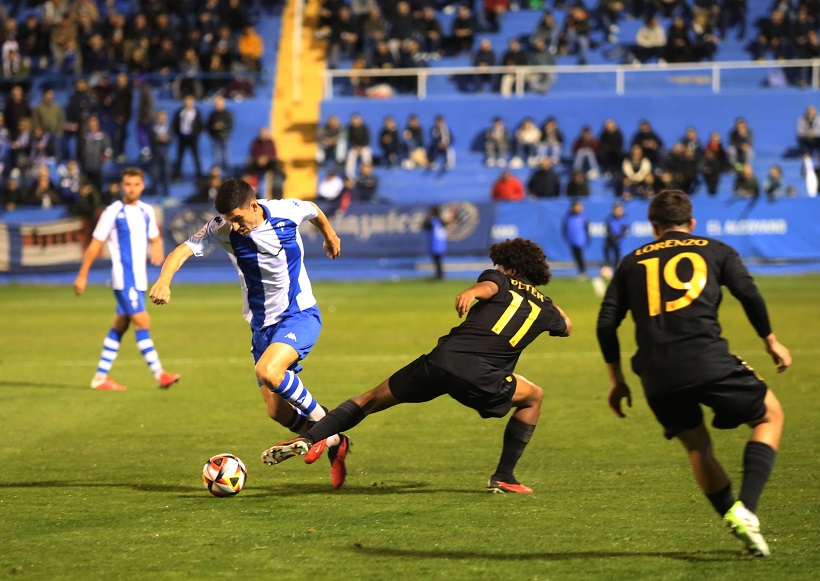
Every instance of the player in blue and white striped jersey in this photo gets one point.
(262, 240)
(127, 226)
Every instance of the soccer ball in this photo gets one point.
(224, 475)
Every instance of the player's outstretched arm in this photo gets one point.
(161, 291)
(89, 256)
(618, 389)
(481, 290)
(332, 243)
(781, 356)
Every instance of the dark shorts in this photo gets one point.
(422, 381)
(736, 399)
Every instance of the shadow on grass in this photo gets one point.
(690, 556)
(76, 386)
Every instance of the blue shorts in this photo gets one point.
(130, 301)
(299, 330)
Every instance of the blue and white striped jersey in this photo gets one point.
(270, 261)
(127, 229)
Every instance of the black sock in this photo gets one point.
(516, 436)
(344, 417)
(758, 459)
(297, 422)
(722, 500)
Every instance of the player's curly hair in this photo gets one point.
(232, 194)
(523, 256)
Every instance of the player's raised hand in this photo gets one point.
(160, 293)
(617, 392)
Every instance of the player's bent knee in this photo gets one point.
(271, 378)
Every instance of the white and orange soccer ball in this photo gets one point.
(224, 475)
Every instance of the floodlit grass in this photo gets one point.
(106, 485)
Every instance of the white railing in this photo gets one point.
(716, 72)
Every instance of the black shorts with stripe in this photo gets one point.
(736, 399)
(422, 381)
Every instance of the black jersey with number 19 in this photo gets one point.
(485, 347)
(672, 286)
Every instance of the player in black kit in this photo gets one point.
(473, 363)
(672, 286)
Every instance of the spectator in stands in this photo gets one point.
(262, 154)
(5, 148)
(13, 194)
(190, 69)
(251, 48)
(145, 117)
(610, 148)
(329, 191)
(638, 179)
(21, 147)
(547, 31)
(402, 25)
(277, 182)
(374, 30)
(773, 185)
(804, 23)
(650, 142)
(716, 146)
(733, 13)
(671, 8)
(575, 230)
(746, 184)
(809, 50)
(431, 33)
(17, 108)
(206, 191)
(436, 229)
(704, 41)
(96, 58)
(382, 58)
(413, 147)
(327, 15)
(43, 149)
(483, 59)
(16, 68)
(494, 11)
(496, 144)
(390, 142)
(88, 206)
(367, 185)
(220, 127)
(331, 138)
(121, 107)
(773, 37)
(513, 57)
(527, 141)
(540, 56)
(808, 131)
(463, 31)
(441, 144)
(650, 42)
(161, 137)
(358, 142)
(94, 150)
(741, 150)
(684, 166)
(343, 37)
(678, 44)
(552, 141)
(49, 116)
(609, 13)
(544, 182)
(578, 185)
(711, 169)
(34, 39)
(584, 151)
(507, 188)
(70, 178)
(187, 127)
(410, 56)
(691, 141)
(80, 106)
(360, 83)
(575, 34)
(42, 191)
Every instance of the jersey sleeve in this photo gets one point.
(106, 223)
(300, 210)
(494, 276)
(735, 276)
(207, 236)
(613, 310)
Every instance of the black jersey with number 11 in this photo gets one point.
(486, 346)
(672, 286)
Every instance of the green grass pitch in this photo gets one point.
(106, 485)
